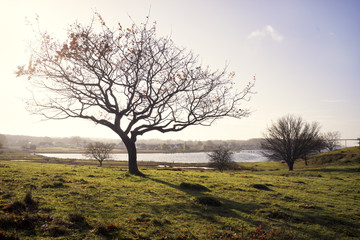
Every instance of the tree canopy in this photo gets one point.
(290, 138)
(130, 80)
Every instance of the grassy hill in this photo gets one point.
(46, 200)
(345, 156)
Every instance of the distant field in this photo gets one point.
(59, 149)
(72, 200)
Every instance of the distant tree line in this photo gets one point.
(148, 144)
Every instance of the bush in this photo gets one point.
(221, 159)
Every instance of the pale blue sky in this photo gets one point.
(305, 55)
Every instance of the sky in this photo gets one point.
(305, 55)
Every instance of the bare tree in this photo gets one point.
(99, 151)
(289, 139)
(129, 80)
(221, 159)
(331, 140)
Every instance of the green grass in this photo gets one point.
(345, 156)
(319, 201)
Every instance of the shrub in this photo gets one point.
(221, 159)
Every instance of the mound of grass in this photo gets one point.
(261, 187)
(108, 230)
(194, 187)
(54, 185)
(209, 201)
(78, 221)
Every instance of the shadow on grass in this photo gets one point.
(228, 208)
(285, 217)
(334, 226)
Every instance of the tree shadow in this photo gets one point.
(233, 209)
(332, 223)
(228, 208)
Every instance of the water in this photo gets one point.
(193, 157)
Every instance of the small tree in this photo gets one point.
(221, 159)
(99, 151)
(331, 140)
(290, 138)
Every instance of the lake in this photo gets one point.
(192, 157)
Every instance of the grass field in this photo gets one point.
(42, 199)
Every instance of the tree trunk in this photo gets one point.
(306, 163)
(132, 157)
(291, 165)
(100, 163)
